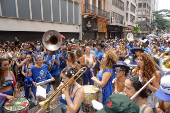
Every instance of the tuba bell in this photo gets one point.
(165, 64)
(52, 40)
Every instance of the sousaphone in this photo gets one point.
(52, 40)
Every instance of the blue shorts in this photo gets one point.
(10, 92)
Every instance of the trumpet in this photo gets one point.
(46, 103)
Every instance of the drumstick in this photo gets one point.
(92, 73)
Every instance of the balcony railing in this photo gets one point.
(95, 10)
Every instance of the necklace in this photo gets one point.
(137, 99)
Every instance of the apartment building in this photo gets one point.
(116, 24)
(144, 15)
(94, 19)
(29, 19)
(131, 13)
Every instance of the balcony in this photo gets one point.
(95, 11)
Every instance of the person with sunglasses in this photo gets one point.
(146, 69)
(121, 69)
(135, 52)
(106, 75)
(133, 83)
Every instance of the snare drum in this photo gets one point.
(90, 93)
(20, 105)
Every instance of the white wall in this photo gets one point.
(10, 24)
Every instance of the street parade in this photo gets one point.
(84, 56)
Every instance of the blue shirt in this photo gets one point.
(148, 50)
(56, 69)
(129, 48)
(107, 90)
(99, 55)
(62, 62)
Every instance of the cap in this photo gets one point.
(137, 49)
(146, 41)
(163, 92)
(26, 52)
(121, 64)
(118, 103)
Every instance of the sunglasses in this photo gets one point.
(140, 59)
(103, 57)
(117, 71)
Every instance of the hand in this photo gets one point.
(91, 70)
(34, 83)
(94, 78)
(53, 60)
(87, 62)
(10, 97)
(61, 57)
(65, 90)
(159, 110)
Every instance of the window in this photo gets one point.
(139, 19)
(127, 6)
(139, 12)
(118, 3)
(144, 19)
(140, 5)
(132, 8)
(126, 16)
(144, 5)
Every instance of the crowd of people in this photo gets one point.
(117, 66)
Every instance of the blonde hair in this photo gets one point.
(111, 59)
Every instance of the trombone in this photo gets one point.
(46, 103)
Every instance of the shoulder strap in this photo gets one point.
(13, 77)
(167, 109)
(76, 91)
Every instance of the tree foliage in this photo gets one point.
(160, 23)
(137, 29)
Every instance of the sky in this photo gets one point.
(164, 4)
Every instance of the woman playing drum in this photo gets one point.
(106, 75)
(72, 95)
(7, 80)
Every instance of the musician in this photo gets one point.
(133, 83)
(54, 68)
(146, 69)
(106, 75)
(121, 69)
(145, 44)
(88, 60)
(98, 56)
(63, 57)
(3, 98)
(72, 60)
(7, 79)
(163, 93)
(72, 95)
(25, 72)
(135, 53)
(124, 51)
(79, 55)
(38, 73)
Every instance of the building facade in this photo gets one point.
(29, 19)
(131, 15)
(94, 19)
(144, 15)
